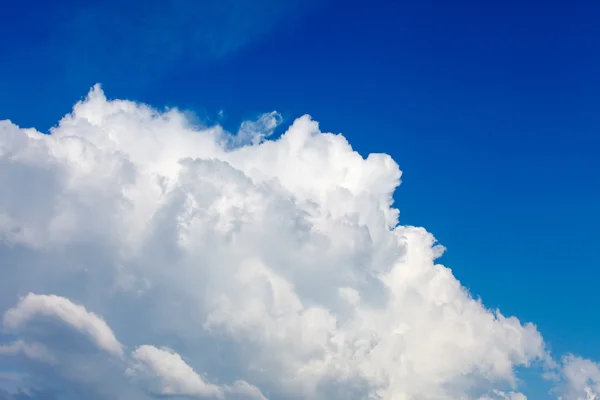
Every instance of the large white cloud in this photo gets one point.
(275, 268)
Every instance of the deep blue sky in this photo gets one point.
(492, 110)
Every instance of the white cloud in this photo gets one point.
(76, 316)
(246, 390)
(279, 263)
(254, 132)
(174, 376)
(579, 379)
(169, 375)
(500, 395)
(34, 351)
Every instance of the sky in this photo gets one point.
(123, 263)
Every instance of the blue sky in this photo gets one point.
(491, 111)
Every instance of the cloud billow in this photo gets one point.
(200, 264)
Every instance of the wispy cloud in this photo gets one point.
(142, 40)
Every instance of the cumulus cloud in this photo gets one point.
(174, 376)
(76, 316)
(259, 268)
(579, 379)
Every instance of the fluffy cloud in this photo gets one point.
(235, 266)
(579, 380)
(75, 316)
(176, 378)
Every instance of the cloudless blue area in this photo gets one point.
(492, 110)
